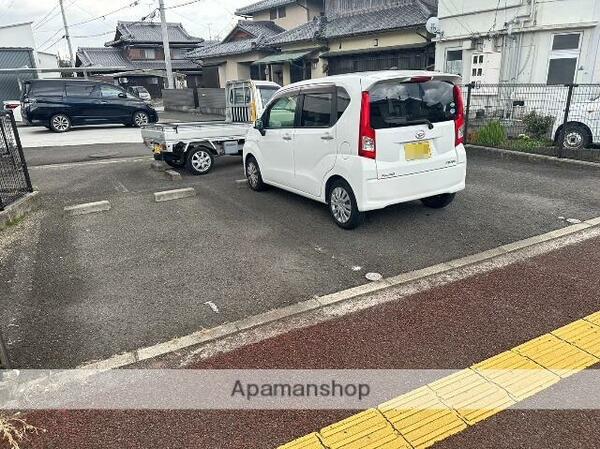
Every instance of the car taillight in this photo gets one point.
(11, 105)
(366, 134)
(459, 121)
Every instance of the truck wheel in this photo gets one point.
(60, 123)
(342, 205)
(255, 181)
(438, 201)
(574, 137)
(199, 161)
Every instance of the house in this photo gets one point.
(232, 58)
(285, 13)
(18, 51)
(345, 36)
(356, 35)
(518, 41)
(137, 48)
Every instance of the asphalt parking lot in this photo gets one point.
(85, 288)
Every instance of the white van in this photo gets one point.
(362, 141)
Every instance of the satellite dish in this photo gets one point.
(433, 25)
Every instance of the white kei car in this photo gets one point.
(362, 141)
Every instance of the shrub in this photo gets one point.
(14, 430)
(492, 134)
(538, 125)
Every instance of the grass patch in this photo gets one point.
(14, 430)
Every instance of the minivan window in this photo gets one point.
(110, 91)
(266, 93)
(46, 89)
(282, 113)
(396, 104)
(79, 90)
(343, 100)
(316, 110)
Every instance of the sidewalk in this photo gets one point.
(453, 326)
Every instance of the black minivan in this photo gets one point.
(59, 104)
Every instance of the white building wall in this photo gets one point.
(522, 37)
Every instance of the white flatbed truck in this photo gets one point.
(194, 145)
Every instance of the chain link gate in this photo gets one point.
(14, 176)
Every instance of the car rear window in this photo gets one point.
(395, 104)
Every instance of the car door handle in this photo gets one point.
(286, 137)
(327, 137)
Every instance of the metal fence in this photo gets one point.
(557, 120)
(14, 176)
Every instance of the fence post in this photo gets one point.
(4, 363)
(467, 110)
(20, 150)
(561, 147)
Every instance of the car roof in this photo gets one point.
(367, 79)
(64, 80)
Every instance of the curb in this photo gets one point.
(172, 175)
(168, 195)
(530, 157)
(87, 208)
(321, 302)
(18, 209)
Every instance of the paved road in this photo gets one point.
(451, 326)
(85, 288)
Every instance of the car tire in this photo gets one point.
(438, 201)
(342, 205)
(253, 175)
(140, 118)
(175, 164)
(574, 137)
(59, 123)
(199, 161)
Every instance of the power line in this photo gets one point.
(41, 21)
(52, 44)
(94, 35)
(182, 4)
(130, 5)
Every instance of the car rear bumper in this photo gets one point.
(380, 193)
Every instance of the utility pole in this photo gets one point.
(67, 35)
(166, 46)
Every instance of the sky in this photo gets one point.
(203, 18)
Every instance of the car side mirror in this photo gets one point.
(260, 126)
(122, 95)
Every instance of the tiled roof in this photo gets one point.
(113, 57)
(261, 30)
(137, 32)
(261, 6)
(412, 14)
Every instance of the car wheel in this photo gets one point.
(574, 137)
(60, 123)
(140, 118)
(342, 205)
(253, 175)
(175, 164)
(200, 161)
(438, 201)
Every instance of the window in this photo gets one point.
(149, 53)
(454, 62)
(564, 56)
(395, 104)
(79, 90)
(343, 100)
(110, 91)
(273, 13)
(44, 89)
(281, 12)
(266, 93)
(283, 112)
(316, 110)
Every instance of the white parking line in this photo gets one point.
(78, 164)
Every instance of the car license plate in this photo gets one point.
(156, 149)
(417, 150)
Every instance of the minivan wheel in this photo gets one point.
(60, 123)
(342, 205)
(438, 201)
(140, 118)
(255, 181)
(199, 161)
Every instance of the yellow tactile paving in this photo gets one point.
(368, 429)
(556, 355)
(472, 396)
(516, 374)
(429, 414)
(422, 418)
(310, 441)
(583, 334)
